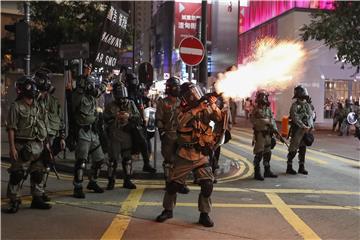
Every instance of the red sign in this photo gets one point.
(186, 15)
(191, 51)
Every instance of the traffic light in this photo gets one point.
(22, 38)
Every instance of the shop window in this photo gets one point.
(335, 91)
(355, 93)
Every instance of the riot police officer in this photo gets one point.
(302, 123)
(166, 117)
(264, 127)
(51, 113)
(88, 144)
(26, 133)
(139, 133)
(120, 116)
(195, 140)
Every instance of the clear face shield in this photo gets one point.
(193, 95)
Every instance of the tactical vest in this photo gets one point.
(303, 112)
(262, 113)
(30, 125)
(84, 108)
(197, 133)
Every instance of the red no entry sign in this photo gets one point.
(191, 51)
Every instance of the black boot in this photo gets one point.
(111, 184)
(302, 169)
(78, 192)
(269, 174)
(148, 168)
(205, 220)
(166, 214)
(184, 189)
(46, 198)
(14, 206)
(290, 170)
(257, 174)
(92, 185)
(128, 184)
(38, 203)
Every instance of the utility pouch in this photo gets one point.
(25, 153)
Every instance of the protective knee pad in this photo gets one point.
(267, 156)
(80, 164)
(36, 177)
(257, 158)
(302, 152)
(206, 187)
(79, 169)
(16, 176)
(127, 166)
(291, 156)
(112, 168)
(173, 187)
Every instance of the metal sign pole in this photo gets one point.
(190, 73)
(28, 54)
(155, 147)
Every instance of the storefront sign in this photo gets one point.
(186, 15)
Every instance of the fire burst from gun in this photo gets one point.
(274, 66)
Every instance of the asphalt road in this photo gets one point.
(322, 205)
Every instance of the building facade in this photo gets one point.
(142, 31)
(324, 78)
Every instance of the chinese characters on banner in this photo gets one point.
(186, 15)
(111, 38)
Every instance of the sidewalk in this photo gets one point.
(325, 141)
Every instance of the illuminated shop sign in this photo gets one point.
(253, 13)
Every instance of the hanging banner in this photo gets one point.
(110, 46)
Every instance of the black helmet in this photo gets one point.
(26, 86)
(132, 79)
(172, 86)
(42, 80)
(300, 92)
(90, 84)
(262, 98)
(190, 93)
(119, 91)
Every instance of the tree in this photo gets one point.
(63, 22)
(339, 29)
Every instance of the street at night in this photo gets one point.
(323, 205)
(183, 119)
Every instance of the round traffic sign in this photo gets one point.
(191, 51)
